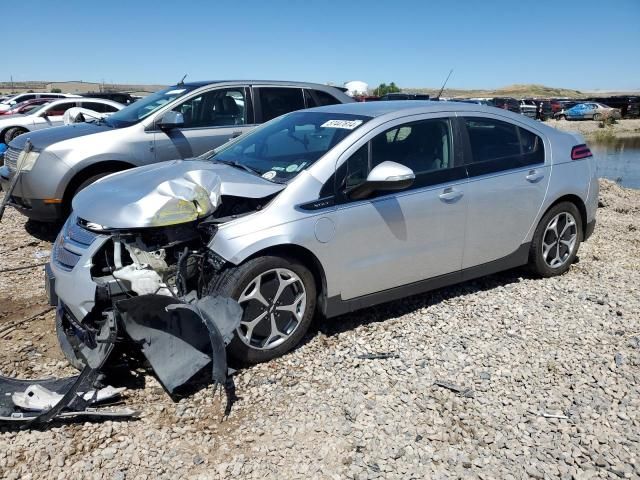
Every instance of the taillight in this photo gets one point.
(580, 151)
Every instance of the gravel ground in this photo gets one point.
(523, 349)
(589, 128)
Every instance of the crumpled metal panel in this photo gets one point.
(166, 193)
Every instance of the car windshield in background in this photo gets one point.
(282, 148)
(146, 106)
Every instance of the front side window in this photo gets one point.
(95, 106)
(144, 107)
(422, 146)
(281, 149)
(276, 101)
(497, 145)
(215, 108)
(425, 146)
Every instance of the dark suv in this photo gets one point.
(120, 97)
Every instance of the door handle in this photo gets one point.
(450, 194)
(235, 134)
(534, 176)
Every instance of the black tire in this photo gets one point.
(537, 262)
(90, 180)
(236, 280)
(597, 117)
(13, 133)
(66, 347)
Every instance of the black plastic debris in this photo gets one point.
(65, 397)
(178, 339)
(462, 391)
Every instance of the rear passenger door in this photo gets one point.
(211, 118)
(508, 178)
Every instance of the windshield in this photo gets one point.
(146, 106)
(285, 146)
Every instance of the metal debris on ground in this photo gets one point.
(462, 391)
(377, 356)
(549, 415)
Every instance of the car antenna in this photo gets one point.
(181, 82)
(443, 85)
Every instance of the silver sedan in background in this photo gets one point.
(328, 210)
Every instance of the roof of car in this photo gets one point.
(262, 82)
(376, 109)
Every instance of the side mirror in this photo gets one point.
(385, 176)
(170, 120)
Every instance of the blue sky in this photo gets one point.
(583, 44)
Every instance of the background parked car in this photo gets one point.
(564, 106)
(506, 103)
(181, 121)
(21, 97)
(405, 96)
(591, 111)
(49, 115)
(629, 105)
(528, 108)
(120, 97)
(25, 107)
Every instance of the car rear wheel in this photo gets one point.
(278, 298)
(556, 240)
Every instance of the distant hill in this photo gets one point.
(517, 91)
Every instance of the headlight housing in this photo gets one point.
(26, 160)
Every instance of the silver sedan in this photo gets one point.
(330, 210)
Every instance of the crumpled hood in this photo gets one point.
(43, 138)
(166, 193)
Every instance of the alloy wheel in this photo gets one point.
(559, 239)
(273, 305)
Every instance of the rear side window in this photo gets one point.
(497, 146)
(96, 107)
(278, 101)
(58, 110)
(324, 98)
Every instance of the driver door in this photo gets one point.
(211, 119)
(393, 239)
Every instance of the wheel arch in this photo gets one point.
(11, 127)
(91, 170)
(307, 258)
(578, 202)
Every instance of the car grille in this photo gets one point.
(11, 158)
(71, 243)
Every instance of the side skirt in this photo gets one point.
(337, 306)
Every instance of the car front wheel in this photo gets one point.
(278, 299)
(556, 240)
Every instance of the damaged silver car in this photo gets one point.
(326, 210)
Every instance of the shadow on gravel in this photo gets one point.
(386, 311)
(43, 231)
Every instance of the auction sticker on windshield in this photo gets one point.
(270, 175)
(346, 124)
